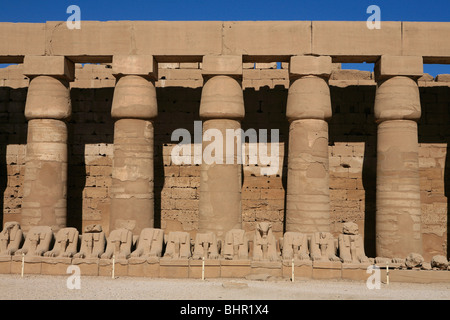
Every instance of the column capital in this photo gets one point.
(300, 66)
(222, 65)
(389, 66)
(55, 66)
(137, 65)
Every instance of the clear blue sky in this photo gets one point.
(173, 10)
(103, 10)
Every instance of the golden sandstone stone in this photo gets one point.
(87, 149)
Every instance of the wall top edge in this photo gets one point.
(259, 41)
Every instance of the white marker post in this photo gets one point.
(203, 268)
(113, 266)
(23, 264)
(293, 273)
(387, 273)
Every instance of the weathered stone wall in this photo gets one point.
(352, 149)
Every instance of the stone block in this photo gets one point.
(354, 41)
(416, 276)
(32, 265)
(263, 38)
(5, 265)
(425, 39)
(235, 268)
(391, 66)
(169, 268)
(88, 266)
(230, 65)
(443, 78)
(19, 39)
(143, 267)
(327, 270)
(302, 269)
(105, 267)
(55, 66)
(145, 65)
(212, 269)
(182, 38)
(310, 65)
(355, 271)
(55, 266)
(272, 268)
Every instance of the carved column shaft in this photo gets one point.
(134, 106)
(308, 109)
(222, 108)
(47, 108)
(397, 109)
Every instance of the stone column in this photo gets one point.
(134, 107)
(221, 108)
(397, 110)
(47, 108)
(308, 109)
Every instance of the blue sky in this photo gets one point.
(103, 10)
(173, 10)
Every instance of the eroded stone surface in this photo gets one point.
(150, 243)
(439, 262)
(93, 242)
(235, 245)
(351, 244)
(119, 244)
(323, 247)
(264, 243)
(10, 238)
(178, 245)
(295, 246)
(66, 243)
(205, 246)
(37, 241)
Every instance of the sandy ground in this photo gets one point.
(40, 287)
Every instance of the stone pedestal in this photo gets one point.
(47, 107)
(272, 268)
(397, 109)
(32, 265)
(235, 268)
(134, 106)
(327, 270)
(355, 271)
(212, 269)
(5, 264)
(222, 108)
(143, 267)
(105, 267)
(308, 109)
(302, 269)
(88, 266)
(55, 266)
(169, 268)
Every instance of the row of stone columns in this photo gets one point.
(134, 108)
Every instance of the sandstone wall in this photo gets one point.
(352, 149)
